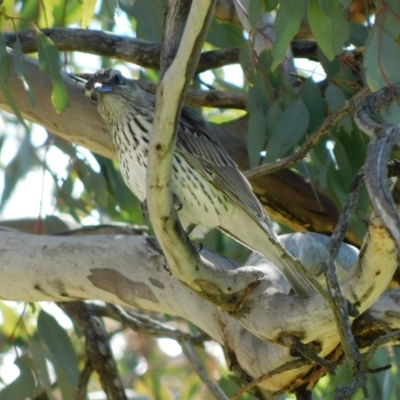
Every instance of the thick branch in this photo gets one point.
(137, 51)
(128, 270)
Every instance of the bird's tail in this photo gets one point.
(260, 237)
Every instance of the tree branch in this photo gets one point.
(128, 270)
(311, 142)
(178, 64)
(97, 347)
(137, 51)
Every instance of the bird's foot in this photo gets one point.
(166, 268)
(198, 246)
(175, 200)
(177, 203)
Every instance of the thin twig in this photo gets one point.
(295, 364)
(191, 355)
(347, 392)
(311, 142)
(340, 308)
(145, 324)
(385, 339)
(97, 347)
(308, 353)
(81, 389)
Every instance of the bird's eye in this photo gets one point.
(118, 79)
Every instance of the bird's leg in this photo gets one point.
(178, 206)
(198, 246)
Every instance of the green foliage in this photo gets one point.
(382, 53)
(88, 7)
(283, 112)
(329, 25)
(287, 24)
(50, 64)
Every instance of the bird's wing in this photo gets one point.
(199, 144)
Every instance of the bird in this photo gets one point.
(211, 190)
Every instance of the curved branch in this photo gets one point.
(137, 51)
(383, 139)
(311, 142)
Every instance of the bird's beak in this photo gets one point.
(102, 87)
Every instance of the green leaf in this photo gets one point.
(335, 99)
(59, 344)
(47, 7)
(38, 355)
(358, 34)
(381, 59)
(287, 23)
(255, 9)
(330, 27)
(113, 4)
(19, 65)
(11, 102)
(4, 60)
(88, 7)
(313, 100)
(4, 75)
(53, 224)
(271, 4)
(150, 19)
(256, 136)
(49, 63)
(59, 95)
(17, 169)
(290, 128)
(391, 115)
(23, 387)
(223, 35)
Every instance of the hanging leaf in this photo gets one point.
(4, 60)
(59, 344)
(381, 60)
(255, 9)
(88, 7)
(150, 19)
(329, 25)
(335, 99)
(313, 100)
(47, 18)
(19, 65)
(17, 169)
(225, 35)
(4, 75)
(49, 63)
(290, 128)
(287, 24)
(38, 355)
(23, 387)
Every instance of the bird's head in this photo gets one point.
(112, 92)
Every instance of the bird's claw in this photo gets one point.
(175, 200)
(177, 203)
(198, 246)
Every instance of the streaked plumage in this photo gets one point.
(206, 180)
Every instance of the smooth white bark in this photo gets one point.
(128, 270)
